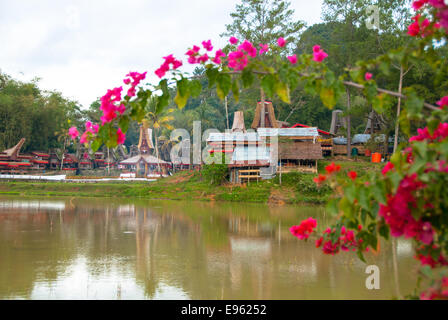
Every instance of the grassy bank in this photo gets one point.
(189, 185)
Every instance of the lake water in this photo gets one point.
(61, 248)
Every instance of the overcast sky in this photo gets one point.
(82, 48)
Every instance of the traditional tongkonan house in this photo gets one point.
(40, 160)
(70, 162)
(12, 162)
(145, 164)
(85, 163)
(100, 161)
(246, 154)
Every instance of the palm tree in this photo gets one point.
(158, 118)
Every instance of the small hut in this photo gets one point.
(299, 149)
(146, 165)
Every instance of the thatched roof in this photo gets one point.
(270, 121)
(300, 150)
(238, 122)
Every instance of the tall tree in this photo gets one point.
(264, 21)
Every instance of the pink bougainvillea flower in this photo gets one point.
(264, 48)
(127, 81)
(84, 138)
(319, 55)
(293, 59)
(233, 40)
(207, 45)
(237, 60)
(204, 58)
(248, 47)
(121, 137)
(368, 76)
(305, 228)
(389, 166)
(121, 109)
(443, 102)
(73, 133)
(418, 4)
(281, 42)
(218, 55)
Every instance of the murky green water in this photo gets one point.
(117, 249)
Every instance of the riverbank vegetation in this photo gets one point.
(197, 185)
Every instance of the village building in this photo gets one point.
(260, 154)
(144, 164)
(12, 162)
(40, 160)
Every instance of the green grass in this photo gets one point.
(191, 185)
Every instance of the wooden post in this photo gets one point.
(263, 109)
(349, 138)
(397, 125)
(227, 112)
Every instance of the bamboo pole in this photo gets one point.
(263, 109)
(397, 124)
(349, 125)
(227, 112)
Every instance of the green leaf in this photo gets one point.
(328, 97)
(163, 100)
(268, 84)
(333, 207)
(395, 179)
(384, 231)
(236, 90)
(183, 93)
(364, 199)
(351, 192)
(248, 77)
(224, 83)
(96, 144)
(124, 123)
(346, 206)
(195, 88)
(413, 104)
(361, 256)
(379, 192)
(282, 91)
(212, 75)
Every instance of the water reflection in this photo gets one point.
(115, 249)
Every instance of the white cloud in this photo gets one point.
(82, 48)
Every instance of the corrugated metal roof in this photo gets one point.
(360, 139)
(251, 153)
(234, 136)
(288, 132)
